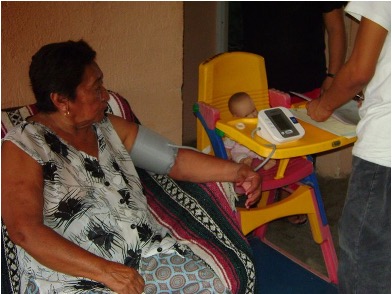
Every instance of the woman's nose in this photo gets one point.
(104, 94)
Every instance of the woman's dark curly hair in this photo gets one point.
(58, 68)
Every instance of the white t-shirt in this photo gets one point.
(374, 128)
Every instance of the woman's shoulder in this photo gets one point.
(125, 130)
(25, 128)
(29, 136)
(35, 123)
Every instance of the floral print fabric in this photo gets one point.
(97, 203)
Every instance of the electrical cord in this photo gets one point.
(184, 147)
(273, 146)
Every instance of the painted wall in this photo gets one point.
(139, 48)
(199, 44)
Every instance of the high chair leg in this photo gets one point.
(302, 201)
(299, 202)
(267, 197)
(327, 247)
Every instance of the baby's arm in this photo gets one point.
(241, 154)
(252, 155)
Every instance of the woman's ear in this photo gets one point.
(61, 102)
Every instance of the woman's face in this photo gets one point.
(91, 97)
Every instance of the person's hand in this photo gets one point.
(247, 161)
(122, 279)
(248, 179)
(316, 111)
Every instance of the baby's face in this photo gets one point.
(245, 109)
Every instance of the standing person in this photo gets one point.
(72, 200)
(365, 224)
(291, 38)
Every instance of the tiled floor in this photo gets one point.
(298, 240)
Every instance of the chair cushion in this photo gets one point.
(11, 117)
(9, 264)
(119, 106)
(297, 169)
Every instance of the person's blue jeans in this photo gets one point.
(365, 231)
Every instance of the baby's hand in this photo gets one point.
(247, 161)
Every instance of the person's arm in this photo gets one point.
(22, 212)
(355, 74)
(334, 24)
(127, 131)
(240, 154)
(198, 167)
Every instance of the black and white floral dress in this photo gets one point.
(97, 203)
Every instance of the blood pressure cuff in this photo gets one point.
(153, 152)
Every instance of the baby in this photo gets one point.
(241, 105)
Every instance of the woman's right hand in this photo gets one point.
(123, 279)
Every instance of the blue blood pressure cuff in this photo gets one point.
(153, 152)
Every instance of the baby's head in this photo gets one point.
(241, 105)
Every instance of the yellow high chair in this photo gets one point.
(220, 77)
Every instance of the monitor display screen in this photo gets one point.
(281, 122)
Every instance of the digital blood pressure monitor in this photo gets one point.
(278, 125)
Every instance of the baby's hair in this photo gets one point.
(235, 98)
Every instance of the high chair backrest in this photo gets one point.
(226, 74)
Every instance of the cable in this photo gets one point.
(268, 157)
(273, 146)
(184, 147)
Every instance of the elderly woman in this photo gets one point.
(74, 202)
